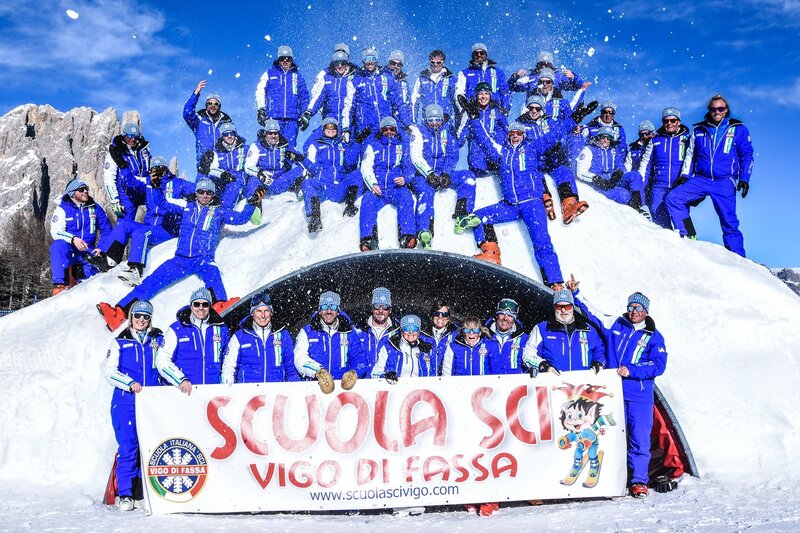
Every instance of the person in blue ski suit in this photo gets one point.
(328, 159)
(664, 162)
(395, 66)
(129, 366)
(125, 171)
(272, 161)
(329, 347)
(606, 119)
(194, 345)
(721, 164)
(637, 350)
(158, 226)
(387, 169)
(406, 352)
(379, 325)
(510, 337)
(434, 85)
(205, 123)
(373, 94)
(521, 183)
(469, 352)
(74, 227)
(554, 162)
(566, 341)
(527, 80)
(443, 327)
(639, 152)
(599, 165)
(490, 117)
(434, 153)
(483, 69)
(259, 352)
(202, 219)
(224, 165)
(281, 94)
(330, 89)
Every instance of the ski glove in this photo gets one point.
(444, 180)
(363, 135)
(294, 156)
(303, 120)
(118, 209)
(262, 116)
(255, 199)
(204, 166)
(680, 181)
(227, 177)
(390, 377)
(265, 177)
(615, 177)
(325, 380)
(744, 187)
(433, 180)
(469, 108)
(346, 136)
(597, 366)
(544, 366)
(583, 110)
(348, 380)
(602, 183)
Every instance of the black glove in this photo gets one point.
(362, 136)
(544, 366)
(470, 109)
(262, 116)
(390, 377)
(303, 120)
(155, 181)
(294, 156)
(433, 180)
(744, 187)
(583, 110)
(204, 166)
(597, 366)
(227, 177)
(255, 199)
(615, 177)
(680, 181)
(444, 179)
(602, 183)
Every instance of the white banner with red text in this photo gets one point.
(420, 442)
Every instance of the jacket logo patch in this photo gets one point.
(184, 339)
(246, 345)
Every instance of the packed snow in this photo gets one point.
(732, 374)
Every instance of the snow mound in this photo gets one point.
(729, 324)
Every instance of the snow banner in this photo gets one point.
(420, 442)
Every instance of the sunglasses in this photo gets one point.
(328, 307)
(608, 112)
(647, 133)
(82, 189)
(141, 316)
(479, 53)
(370, 59)
(229, 134)
(437, 63)
(285, 59)
(273, 132)
(411, 329)
(200, 305)
(337, 64)
(212, 104)
(204, 192)
(635, 308)
(535, 107)
(474, 331)
(563, 307)
(545, 82)
(444, 314)
(395, 63)
(389, 128)
(515, 133)
(381, 307)
(433, 119)
(601, 137)
(671, 120)
(720, 109)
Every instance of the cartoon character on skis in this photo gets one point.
(581, 417)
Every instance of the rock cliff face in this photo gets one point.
(790, 276)
(41, 149)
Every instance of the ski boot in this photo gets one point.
(571, 208)
(594, 472)
(350, 209)
(126, 503)
(408, 241)
(490, 252)
(425, 238)
(58, 288)
(222, 305)
(315, 219)
(101, 262)
(639, 490)
(575, 471)
(488, 509)
(131, 276)
(548, 205)
(114, 316)
(466, 222)
(368, 243)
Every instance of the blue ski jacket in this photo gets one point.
(251, 359)
(283, 93)
(205, 129)
(721, 152)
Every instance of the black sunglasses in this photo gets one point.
(444, 314)
(200, 305)
(141, 315)
(82, 189)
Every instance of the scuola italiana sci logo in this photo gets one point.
(177, 470)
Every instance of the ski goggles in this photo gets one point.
(436, 63)
(474, 331)
(410, 329)
(328, 307)
(636, 308)
(563, 307)
(212, 103)
(507, 306)
(370, 59)
(434, 120)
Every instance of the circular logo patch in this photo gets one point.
(177, 470)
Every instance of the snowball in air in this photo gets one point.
(210, 71)
(238, 74)
(590, 51)
(267, 38)
(73, 14)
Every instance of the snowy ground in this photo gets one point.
(730, 327)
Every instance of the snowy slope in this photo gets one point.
(730, 326)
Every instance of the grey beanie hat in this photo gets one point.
(285, 51)
(434, 111)
(205, 184)
(338, 55)
(329, 298)
(646, 125)
(535, 99)
(381, 296)
(479, 46)
(131, 130)
(397, 55)
(342, 47)
(272, 125)
(214, 96)
(260, 300)
(330, 120)
(142, 306)
(563, 296)
(548, 74)
(545, 57)
(671, 112)
(200, 294)
(410, 320)
(369, 51)
(608, 104)
(158, 161)
(74, 185)
(388, 122)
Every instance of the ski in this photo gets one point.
(594, 473)
(575, 472)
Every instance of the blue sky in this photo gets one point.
(645, 56)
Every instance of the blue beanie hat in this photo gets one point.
(641, 299)
(200, 294)
(74, 185)
(260, 300)
(434, 111)
(142, 306)
(563, 296)
(410, 320)
(535, 99)
(381, 296)
(388, 122)
(330, 120)
(131, 130)
(158, 161)
(329, 298)
(205, 184)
